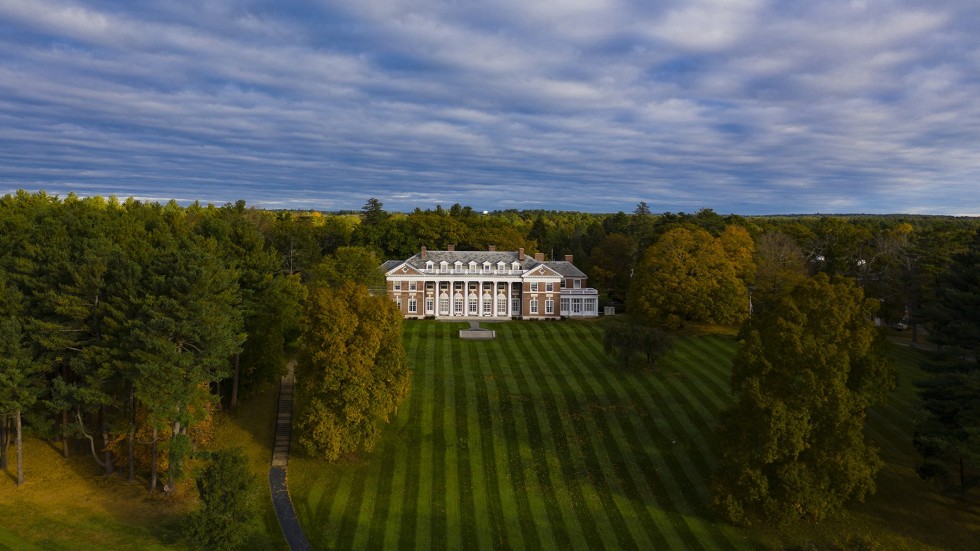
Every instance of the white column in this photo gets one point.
(493, 299)
(466, 297)
(479, 298)
(510, 300)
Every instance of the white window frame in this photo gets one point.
(533, 306)
(413, 306)
(534, 286)
(396, 285)
(413, 285)
(549, 287)
(549, 306)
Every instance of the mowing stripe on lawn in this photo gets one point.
(515, 510)
(417, 441)
(680, 525)
(613, 382)
(464, 478)
(483, 501)
(449, 467)
(597, 460)
(560, 474)
(596, 530)
(539, 457)
(435, 518)
(487, 459)
(537, 525)
(625, 433)
(597, 371)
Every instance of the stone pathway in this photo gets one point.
(281, 502)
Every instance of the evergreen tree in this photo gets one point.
(228, 503)
(793, 444)
(948, 433)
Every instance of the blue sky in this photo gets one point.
(741, 106)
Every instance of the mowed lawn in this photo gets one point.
(537, 441)
(532, 441)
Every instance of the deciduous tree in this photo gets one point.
(793, 445)
(686, 275)
(352, 372)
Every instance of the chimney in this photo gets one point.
(568, 258)
(492, 248)
(520, 254)
(539, 257)
(451, 247)
(424, 254)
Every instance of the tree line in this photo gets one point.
(125, 325)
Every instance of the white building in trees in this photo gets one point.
(488, 284)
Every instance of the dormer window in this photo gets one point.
(472, 266)
(429, 265)
(486, 266)
(501, 266)
(515, 266)
(443, 266)
(458, 265)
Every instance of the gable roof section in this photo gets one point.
(451, 257)
(566, 269)
(542, 270)
(400, 268)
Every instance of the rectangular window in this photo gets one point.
(502, 306)
(576, 306)
(534, 286)
(578, 283)
(398, 303)
(564, 306)
(515, 307)
(397, 285)
(549, 306)
(413, 306)
(473, 306)
(413, 286)
(534, 306)
(458, 306)
(549, 287)
(444, 306)
(429, 305)
(487, 308)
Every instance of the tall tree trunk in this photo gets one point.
(20, 452)
(64, 433)
(131, 435)
(962, 476)
(153, 462)
(234, 382)
(4, 441)
(174, 461)
(107, 454)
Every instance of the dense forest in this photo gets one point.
(124, 325)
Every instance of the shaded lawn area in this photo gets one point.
(536, 441)
(68, 504)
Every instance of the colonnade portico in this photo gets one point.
(471, 297)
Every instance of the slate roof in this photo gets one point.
(493, 257)
(563, 267)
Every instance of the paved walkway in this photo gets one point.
(281, 502)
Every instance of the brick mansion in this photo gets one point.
(488, 284)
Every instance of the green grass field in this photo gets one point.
(535, 441)
(531, 441)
